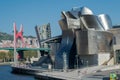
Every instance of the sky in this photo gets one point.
(39, 12)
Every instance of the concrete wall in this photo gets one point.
(103, 57)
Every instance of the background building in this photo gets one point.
(43, 32)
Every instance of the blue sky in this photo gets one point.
(38, 12)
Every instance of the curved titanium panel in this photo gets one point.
(65, 47)
(86, 11)
(68, 22)
(75, 12)
(105, 21)
(91, 22)
(63, 24)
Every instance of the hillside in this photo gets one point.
(6, 36)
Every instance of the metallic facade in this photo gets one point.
(93, 42)
(86, 11)
(84, 36)
(83, 33)
(105, 21)
(91, 22)
(66, 46)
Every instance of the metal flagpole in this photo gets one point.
(15, 57)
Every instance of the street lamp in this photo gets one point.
(77, 61)
(87, 63)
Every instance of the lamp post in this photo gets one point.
(87, 63)
(77, 61)
(15, 53)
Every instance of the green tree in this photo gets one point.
(2, 55)
(30, 54)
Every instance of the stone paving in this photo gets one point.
(88, 73)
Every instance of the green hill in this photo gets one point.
(5, 36)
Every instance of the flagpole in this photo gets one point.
(15, 57)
